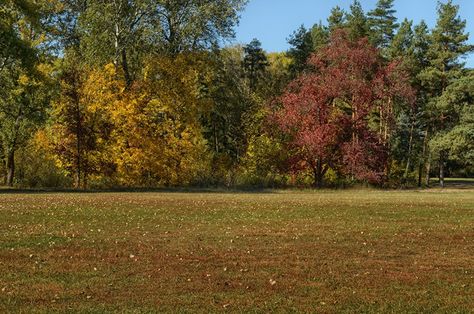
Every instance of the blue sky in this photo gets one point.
(272, 21)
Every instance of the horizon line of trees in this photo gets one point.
(140, 93)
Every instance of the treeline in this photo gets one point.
(141, 93)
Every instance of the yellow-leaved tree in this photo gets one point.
(146, 134)
(81, 133)
(157, 131)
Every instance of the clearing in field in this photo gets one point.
(350, 251)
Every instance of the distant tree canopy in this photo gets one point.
(148, 93)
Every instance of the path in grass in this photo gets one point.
(348, 251)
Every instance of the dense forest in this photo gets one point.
(149, 93)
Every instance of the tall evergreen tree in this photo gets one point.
(382, 23)
(232, 98)
(420, 46)
(319, 36)
(447, 47)
(337, 19)
(357, 23)
(302, 47)
(255, 63)
(403, 140)
(409, 46)
(402, 41)
(457, 141)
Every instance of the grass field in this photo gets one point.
(328, 252)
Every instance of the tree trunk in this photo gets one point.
(77, 179)
(318, 174)
(421, 161)
(420, 174)
(380, 124)
(428, 169)
(410, 148)
(216, 140)
(441, 169)
(425, 160)
(4, 165)
(116, 45)
(10, 167)
(126, 71)
(11, 151)
(84, 179)
(353, 125)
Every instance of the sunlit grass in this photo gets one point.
(332, 251)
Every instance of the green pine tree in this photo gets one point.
(255, 63)
(448, 44)
(357, 22)
(319, 35)
(337, 19)
(402, 42)
(382, 23)
(302, 47)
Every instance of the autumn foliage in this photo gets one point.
(95, 94)
(145, 135)
(340, 112)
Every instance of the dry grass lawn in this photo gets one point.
(328, 252)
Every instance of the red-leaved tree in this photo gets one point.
(339, 114)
